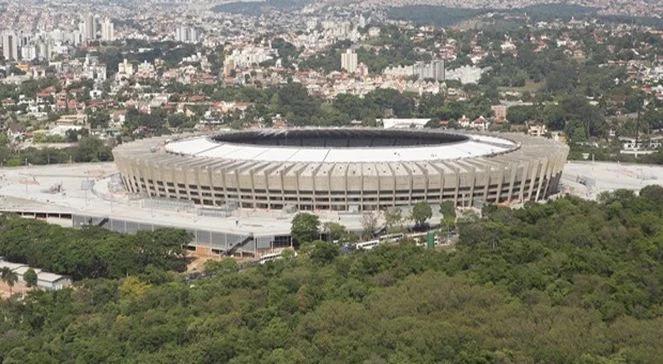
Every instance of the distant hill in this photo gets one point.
(260, 7)
(434, 15)
(445, 16)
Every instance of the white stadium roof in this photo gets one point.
(476, 146)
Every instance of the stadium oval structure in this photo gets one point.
(342, 169)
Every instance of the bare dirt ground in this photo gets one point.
(18, 288)
(196, 261)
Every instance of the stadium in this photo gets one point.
(342, 169)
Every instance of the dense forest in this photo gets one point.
(565, 281)
(88, 149)
(92, 252)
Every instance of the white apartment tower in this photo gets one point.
(431, 71)
(107, 30)
(186, 34)
(90, 27)
(349, 61)
(10, 46)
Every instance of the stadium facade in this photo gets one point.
(342, 169)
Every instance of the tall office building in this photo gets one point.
(107, 30)
(349, 61)
(10, 46)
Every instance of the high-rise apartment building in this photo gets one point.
(107, 30)
(44, 50)
(90, 27)
(10, 46)
(429, 71)
(349, 61)
(186, 34)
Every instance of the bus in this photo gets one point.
(270, 257)
(368, 245)
(391, 238)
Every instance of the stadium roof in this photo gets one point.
(475, 146)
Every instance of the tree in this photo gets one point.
(9, 277)
(540, 271)
(338, 232)
(393, 218)
(520, 114)
(162, 248)
(177, 120)
(305, 228)
(92, 149)
(91, 252)
(224, 266)
(421, 212)
(369, 221)
(98, 119)
(30, 277)
(323, 252)
(448, 211)
(653, 193)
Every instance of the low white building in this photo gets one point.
(45, 280)
(641, 146)
(404, 123)
(537, 130)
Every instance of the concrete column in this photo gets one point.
(345, 182)
(223, 184)
(268, 194)
(282, 187)
(498, 194)
(379, 190)
(523, 177)
(299, 197)
(196, 176)
(512, 181)
(330, 171)
(361, 193)
(237, 191)
(173, 181)
(473, 178)
(542, 174)
(411, 182)
(487, 184)
(211, 186)
(393, 192)
(186, 183)
(313, 195)
(441, 172)
(253, 186)
(457, 171)
(537, 165)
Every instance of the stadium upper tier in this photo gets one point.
(342, 169)
(341, 146)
